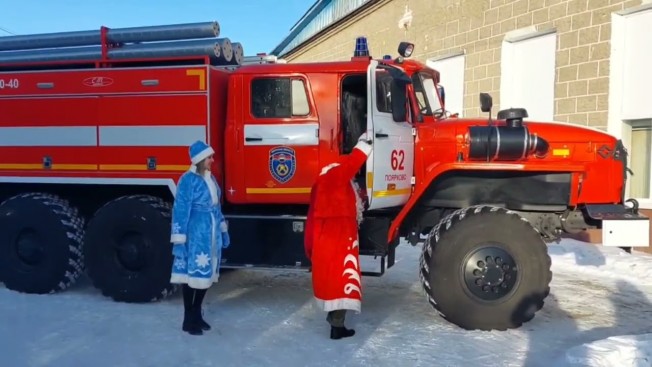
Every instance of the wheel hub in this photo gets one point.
(28, 247)
(490, 273)
(131, 251)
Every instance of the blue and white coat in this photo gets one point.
(199, 231)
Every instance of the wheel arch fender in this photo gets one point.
(437, 170)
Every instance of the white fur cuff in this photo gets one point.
(178, 238)
(364, 147)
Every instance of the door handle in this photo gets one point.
(381, 135)
(253, 139)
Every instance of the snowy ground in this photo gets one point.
(267, 319)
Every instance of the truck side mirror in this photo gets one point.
(442, 94)
(486, 102)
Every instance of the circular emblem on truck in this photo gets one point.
(282, 163)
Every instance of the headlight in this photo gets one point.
(405, 49)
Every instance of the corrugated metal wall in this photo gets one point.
(324, 13)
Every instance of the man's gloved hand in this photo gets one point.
(364, 138)
(226, 240)
(179, 250)
(224, 227)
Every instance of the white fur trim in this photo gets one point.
(194, 282)
(178, 238)
(179, 278)
(211, 186)
(202, 155)
(200, 283)
(327, 168)
(364, 147)
(359, 205)
(339, 304)
(216, 273)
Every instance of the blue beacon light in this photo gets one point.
(361, 47)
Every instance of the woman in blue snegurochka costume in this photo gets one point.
(199, 233)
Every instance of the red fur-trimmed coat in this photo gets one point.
(331, 236)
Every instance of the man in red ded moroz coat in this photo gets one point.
(331, 238)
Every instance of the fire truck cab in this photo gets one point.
(288, 121)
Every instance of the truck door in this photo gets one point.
(390, 166)
(281, 141)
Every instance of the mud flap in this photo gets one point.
(621, 226)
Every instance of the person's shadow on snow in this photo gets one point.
(628, 305)
(538, 331)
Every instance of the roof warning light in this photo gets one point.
(361, 47)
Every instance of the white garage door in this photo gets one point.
(638, 73)
(528, 74)
(630, 109)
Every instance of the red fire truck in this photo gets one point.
(94, 135)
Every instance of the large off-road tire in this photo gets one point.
(40, 243)
(128, 251)
(485, 268)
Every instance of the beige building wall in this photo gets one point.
(478, 27)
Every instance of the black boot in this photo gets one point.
(341, 332)
(199, 298)
(189, 317)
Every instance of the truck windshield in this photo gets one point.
(426, 93)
